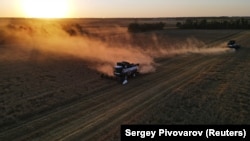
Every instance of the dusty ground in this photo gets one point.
(60, 98)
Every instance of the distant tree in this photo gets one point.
(215, 23)
(203, 23)
(179, 24)
(136, 27)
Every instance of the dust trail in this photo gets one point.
(189, 46)
(45, 37)
(31, 38)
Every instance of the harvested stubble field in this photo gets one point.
(58, 94)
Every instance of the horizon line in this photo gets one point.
(5, 17)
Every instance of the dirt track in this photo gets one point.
(186, 89)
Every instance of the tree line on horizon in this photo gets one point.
(191, 23)
(137, 27)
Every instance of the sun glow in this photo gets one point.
(46, 8)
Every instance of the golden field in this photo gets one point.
(51, 89)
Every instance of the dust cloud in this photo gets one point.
(24, 39)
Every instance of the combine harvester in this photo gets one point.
(123, 70)
(232, 44)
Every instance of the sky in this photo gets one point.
(131, 8)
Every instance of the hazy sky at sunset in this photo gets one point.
(138, 8)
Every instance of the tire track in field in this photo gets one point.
(26, 127)
(182, 83)
(234, 90)
(149, 97)
(145, 96)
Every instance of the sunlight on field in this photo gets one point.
(53, 77)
